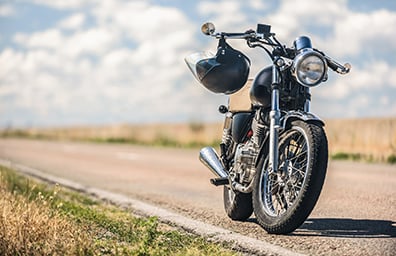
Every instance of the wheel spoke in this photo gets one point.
(281, 191)
(298, 155)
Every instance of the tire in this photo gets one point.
(237, 205)
(282, 201)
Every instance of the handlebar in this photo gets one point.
(337, 67)
(246, 35)
(264, 36)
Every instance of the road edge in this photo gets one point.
(213, 233)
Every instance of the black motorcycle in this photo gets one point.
(273, 154)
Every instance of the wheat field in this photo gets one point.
(370, 138)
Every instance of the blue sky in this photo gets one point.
(82, 62)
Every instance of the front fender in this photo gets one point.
(299, 115)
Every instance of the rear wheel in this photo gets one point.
(237, 205)
(284, 199)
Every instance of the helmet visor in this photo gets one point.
(200, 57)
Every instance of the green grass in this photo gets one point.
(48, 220)
(391, 159)
(347, 156)
(159, 141)
(361, 157)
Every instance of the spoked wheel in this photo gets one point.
(283, 199)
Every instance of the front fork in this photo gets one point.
(275, 116)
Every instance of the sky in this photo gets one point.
(96, 62)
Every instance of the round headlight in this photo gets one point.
(309, 68)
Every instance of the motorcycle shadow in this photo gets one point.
(347, 228)
(344, 228)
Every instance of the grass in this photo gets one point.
(160, 141)
(39, 219)
(360, 157)
(372, 140)
(347, 156)
(391, 159)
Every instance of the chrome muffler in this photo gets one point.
(210, 159)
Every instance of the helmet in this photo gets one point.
(226, 72)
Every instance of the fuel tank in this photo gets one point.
(260, 92)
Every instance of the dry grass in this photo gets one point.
(32, 228)
(181, 134)
(369, 139)
(36, 219)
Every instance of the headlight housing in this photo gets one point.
(309, 68)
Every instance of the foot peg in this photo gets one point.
(220, 181)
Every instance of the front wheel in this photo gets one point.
(283, 200)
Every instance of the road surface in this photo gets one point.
(355, 215)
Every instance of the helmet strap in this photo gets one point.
(222, 43)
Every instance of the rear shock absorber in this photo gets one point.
(226, 139)
(259, 128)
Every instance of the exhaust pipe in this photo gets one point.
(210, 159)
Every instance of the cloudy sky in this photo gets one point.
(76, 62)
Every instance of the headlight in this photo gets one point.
(309, 68)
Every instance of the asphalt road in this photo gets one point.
(355, 215)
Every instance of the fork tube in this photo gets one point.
(274, 121)
(307, 105)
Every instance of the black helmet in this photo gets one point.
(226, 72)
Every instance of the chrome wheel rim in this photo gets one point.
(280, 190)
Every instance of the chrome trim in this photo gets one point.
(210, 159)
(266, 192)
(301, 115)
(307, 104)
(275, 115)
(300, 57)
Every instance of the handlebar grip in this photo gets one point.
(332, 65)
(335, 66)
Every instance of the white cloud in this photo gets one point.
(349, 32)
(69, 4)
(49, 39)
(75, 21)
(94, 41)
(114, 66)
(377, 75)
(258, 4)
(356, 31)
(226, 14)
(126, 62)
(9, 62)
(6, 10)
(293, 17)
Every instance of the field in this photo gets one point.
(358, 139)
(369, 139)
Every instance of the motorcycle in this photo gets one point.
(273, 152)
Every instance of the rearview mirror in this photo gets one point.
(208, 28)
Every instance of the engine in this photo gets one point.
(244, 169)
